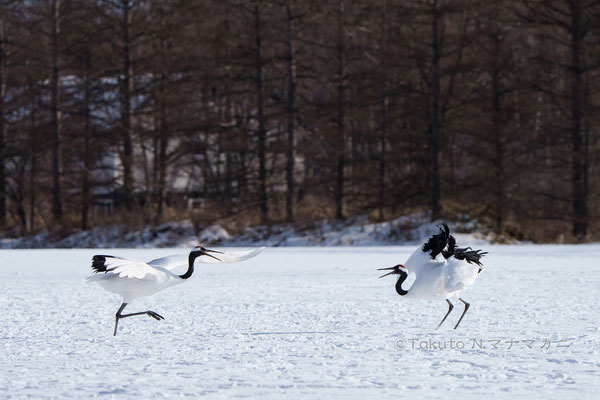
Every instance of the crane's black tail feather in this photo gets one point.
(470, 255)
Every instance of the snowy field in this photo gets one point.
(303, 323)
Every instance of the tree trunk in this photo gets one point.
(579, 156)
(126, 85)
(341, 161)
(57, 209)
(162, 149)
(2, 143)
(262, 132)
(163, 141)
(383, 106)
(34, 146)
(87, 133)
(436, 123)
(499, 150)
(496, 126)
(290, 108)
(19, 193)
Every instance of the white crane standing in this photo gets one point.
(133, 278)
(442, 271)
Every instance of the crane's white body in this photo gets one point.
(458, 275)
(132, 278)
(438, 278)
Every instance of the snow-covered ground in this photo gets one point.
(303, 323)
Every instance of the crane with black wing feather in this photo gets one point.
(133, 278)
(442, 271)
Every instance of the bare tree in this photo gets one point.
(341, 104)
(2, 128)
(383, 100)
(261, 129)
(291, 111)
(279, 110)
(57, 207)
(567, 25)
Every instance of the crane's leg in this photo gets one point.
(118, 316)
(450, 307)
(467, 305)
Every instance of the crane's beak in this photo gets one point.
(394, 270)
(207, 251)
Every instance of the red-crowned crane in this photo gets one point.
(442, 271)
(133, 278)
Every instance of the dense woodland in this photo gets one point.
(294, 111)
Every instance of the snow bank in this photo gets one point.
(410, 229)
(357, 231)
(171, 234)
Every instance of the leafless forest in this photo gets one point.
(140, 112)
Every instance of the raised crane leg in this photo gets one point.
(464, 312)
(450, 307)
(118, 316)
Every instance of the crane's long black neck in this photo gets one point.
(401, 279)
(190, 270)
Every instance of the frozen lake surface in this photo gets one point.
(303, 322)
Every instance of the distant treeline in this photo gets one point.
(297, 110)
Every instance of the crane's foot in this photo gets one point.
(149, 313)
(154, 315)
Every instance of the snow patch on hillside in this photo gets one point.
(171, 234)
(357, 231)
(410, 229)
